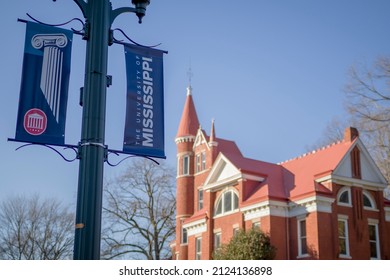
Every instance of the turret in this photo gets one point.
(185, 138)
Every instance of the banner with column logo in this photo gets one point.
(44, 86)
(144, 127)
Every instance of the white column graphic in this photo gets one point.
(51, 67)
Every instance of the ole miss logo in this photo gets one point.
(35, 121)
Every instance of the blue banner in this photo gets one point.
(144, 127)
(44, 86)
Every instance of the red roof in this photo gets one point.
(301, 172)
(272, 186)
(189, 122)
(293, 178)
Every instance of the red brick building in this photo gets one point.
(327, 204)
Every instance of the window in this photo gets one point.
(198, 166)
(344, 197)
(355, 163)
(217, 241)
(256, 225)
(198, 248)
(343, 237)
(184, 236)
(368, 200)
(302, 239)
(200, 161)
(374, 241)
(236, 230)
(203, 164)
(186, 165)
(228, 202)
(200, 199)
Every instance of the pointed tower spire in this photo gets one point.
(189, 122)
(213, 144)
(212, 141)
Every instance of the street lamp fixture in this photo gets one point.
(140, 6)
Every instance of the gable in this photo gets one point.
(369, 170)
(222, 174)
(227, 170)
(200, 138)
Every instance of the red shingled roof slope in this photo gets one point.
(301, 172)
(189, 122)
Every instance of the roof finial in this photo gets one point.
(190, 74)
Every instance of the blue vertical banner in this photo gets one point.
(144, 126)
(44, 86)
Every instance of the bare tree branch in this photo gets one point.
(139, 212)
(32, 229)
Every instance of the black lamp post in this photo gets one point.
(99, 16)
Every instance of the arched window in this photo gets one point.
(227, 202)
(368, 200)
(344, 197)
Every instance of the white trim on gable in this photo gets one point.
(369, 170)
(200, 139)
(223, 173)
(348, 181)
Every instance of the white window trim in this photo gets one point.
(198, 167)
(300, 254)
(372, 201)
(184, 231)
(219, 233)
(200, 200)
(198, 251)
(344, 219)
(256, 223)
(203, 160)
(375, 224)
(221, 198)
(341, 191)
(200, 162)
(186, 165)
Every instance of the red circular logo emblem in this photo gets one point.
(35, 121)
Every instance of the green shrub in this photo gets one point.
(250, 245)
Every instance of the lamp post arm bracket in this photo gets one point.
(71, 147)
(76, 31)
(117, 153)
(83, 6)
(115, 13)
(128, 38)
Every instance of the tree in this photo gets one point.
(368, 104)
(368, 107)
(250, 245)
(139, 212)
(35, 229)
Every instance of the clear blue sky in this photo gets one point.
(271, 73)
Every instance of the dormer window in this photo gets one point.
(355, 163)
(227, 203)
